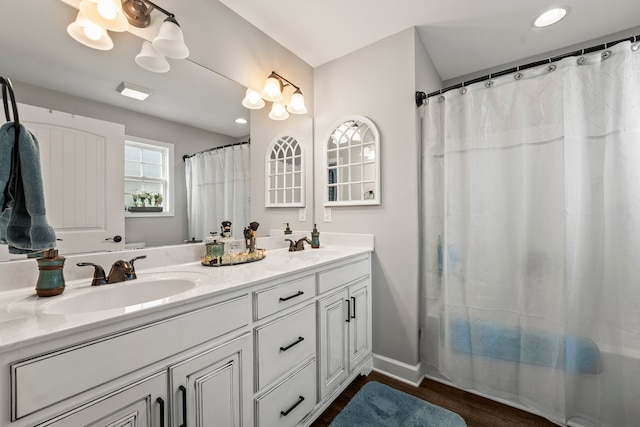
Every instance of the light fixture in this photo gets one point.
(151, 60)
(98, 16)
(252, 100)
(89, 33)
(272, 92)
(278, 112)
(241, 121)
(133, 91)
(550, 17)
(106, 13)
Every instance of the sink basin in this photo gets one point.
(130, 296)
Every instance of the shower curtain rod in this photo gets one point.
(186, 156)
(421, 97)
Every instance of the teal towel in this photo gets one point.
(23, 221)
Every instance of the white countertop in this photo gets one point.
(26, 318)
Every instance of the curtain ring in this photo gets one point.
(582, 60)
(488, 83)
(635, 47)
(606, 54)
(441, 98)
(517, 76)
(551, 68)
(463, 90)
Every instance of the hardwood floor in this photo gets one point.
(476, 411)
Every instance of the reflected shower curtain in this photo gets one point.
(218, 189)
(531, 245)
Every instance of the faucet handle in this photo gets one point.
(292, 247)
(132, 273)
(99, 277)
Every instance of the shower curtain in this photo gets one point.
(218, 189)
(531, 241)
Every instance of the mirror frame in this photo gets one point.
(286, 138)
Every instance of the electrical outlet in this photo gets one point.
(302, 214)
(327, 214)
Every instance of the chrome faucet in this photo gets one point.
(120, 271)
(299, 245)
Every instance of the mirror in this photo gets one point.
(352, 163)
(284, 173)
(191, 106)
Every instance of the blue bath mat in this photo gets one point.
(379, 405)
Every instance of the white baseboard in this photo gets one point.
(398, 370)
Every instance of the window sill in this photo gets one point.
(128, 214)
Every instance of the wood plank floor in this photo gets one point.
(477, 411)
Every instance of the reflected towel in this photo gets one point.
(23, 222)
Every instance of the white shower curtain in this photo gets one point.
(218, 189)
(531, 213)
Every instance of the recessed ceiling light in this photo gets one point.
(133, 91)
(550, 17)
(241, 121)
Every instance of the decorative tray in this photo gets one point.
(236, 259)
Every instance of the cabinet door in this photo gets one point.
(359, 323)
(213, 388)
(332, 312)
(141, 404)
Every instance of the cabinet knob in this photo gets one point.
(117, 238)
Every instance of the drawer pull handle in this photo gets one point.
(285, 413)
(298, 341)
(292, 296)
(183, 391)
(353, 315)
(161, 403)
(348, 310)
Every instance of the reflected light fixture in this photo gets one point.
(133, 91)
(96, 17)
(550, 17)
(272, 92)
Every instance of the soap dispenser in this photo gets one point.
(288, 230)
(50, 279)
(315, 237)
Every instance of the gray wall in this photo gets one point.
(379, 82)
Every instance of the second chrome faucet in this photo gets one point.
(120, 271)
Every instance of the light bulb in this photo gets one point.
(92, 30)
(107, 9)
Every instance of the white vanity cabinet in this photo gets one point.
(211, 388)
(272, 353)
(141, 404)
(285, 352)
(344, 314)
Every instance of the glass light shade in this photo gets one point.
(170, 40)
(106, 13)
(278, 112)
(272, 90)
(151, 60)
(89, 33)
(252, 100)
(296, 104)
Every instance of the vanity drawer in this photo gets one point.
(283, 344)
(336, 277)
(289, 402)
(277, 298)
(44, 380)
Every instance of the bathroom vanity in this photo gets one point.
(269, 343)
